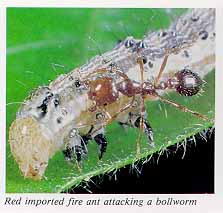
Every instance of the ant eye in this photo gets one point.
(189, 83)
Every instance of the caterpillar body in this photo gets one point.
(77, 106)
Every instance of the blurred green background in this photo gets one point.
(38, 37)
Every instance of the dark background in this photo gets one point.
(172, 174)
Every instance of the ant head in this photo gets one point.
(189, 83)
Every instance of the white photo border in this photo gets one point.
(207, 202)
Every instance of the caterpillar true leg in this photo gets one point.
(147, 130)
(102, 143)
(75, 147)
(68, 152)
(133, 120)
(99, 136)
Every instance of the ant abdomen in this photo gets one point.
(188, 83)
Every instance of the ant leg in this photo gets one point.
(163, 65)
(98, 133)
(139, 135)
(142, 106)
(112, 118)
(183, 108)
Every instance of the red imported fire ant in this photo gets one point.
(105, 90)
